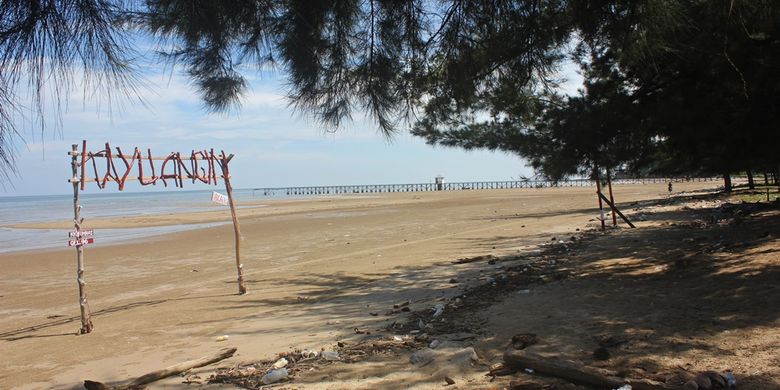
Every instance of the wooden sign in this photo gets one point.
(216, 197)
(81, 233)
(81, 241)
(111, 165)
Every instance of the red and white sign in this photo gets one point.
(81, 241)
(216, 197)
(81, 233)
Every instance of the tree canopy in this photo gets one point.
(669, 86)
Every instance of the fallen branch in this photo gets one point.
(575, 372)
(138, 383)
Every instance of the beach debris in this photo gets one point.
(402, 304)
(438, 309)
(330, 355)
(308, 354)
(524, 340)
(575, 372)
(422, 357)
(224, 337)
(500, 369)
(154, 376)
(421, 324)
(398, 338)
(624, 387)
(281, 363)
(464, 357)
(731, 381)
(517, 385)
(274, 376)
(710, 380)
(449, 380)
(434, 344)
(453, 280)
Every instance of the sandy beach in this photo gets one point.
(316, 269)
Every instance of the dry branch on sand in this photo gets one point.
(140, 382)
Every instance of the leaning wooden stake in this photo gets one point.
(576, 373)
(86, 321)
(611, 198)
(140, 382)
(615, 209)
(223, 162)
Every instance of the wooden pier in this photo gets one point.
(475, 185)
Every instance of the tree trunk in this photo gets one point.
(766, 179)
(751, 183)
(727, 182)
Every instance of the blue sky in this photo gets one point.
(274, 146)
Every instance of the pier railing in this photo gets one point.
(458, 186)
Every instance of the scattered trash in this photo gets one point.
(731, 381)
(624, 387)
(438, 309)
(402, 304)
(398, 338)
(330, 355)
(306, 354)
(422, 357)
(281, 363)
(224, 337)
(708, 380)
(528, 370)
(501, 369)
(274, 376)
(524, 291)
(524, 340)
(449, 380)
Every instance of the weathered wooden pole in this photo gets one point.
(598, 192)
(611, 199)
(236, 229)
(86, 321)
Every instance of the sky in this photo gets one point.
(273, 145)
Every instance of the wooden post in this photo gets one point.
(223, 162)
(86, 321)
(598, 192)
(611, 199)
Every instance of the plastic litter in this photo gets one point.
(422, 357)
(309, 354)
(224, 337)
(624, 387)
(438, 309)
(330, 355)
(731, 381)
(274, 376)
(281, 363)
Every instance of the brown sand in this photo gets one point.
(316, 270)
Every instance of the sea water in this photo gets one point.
(56, 208)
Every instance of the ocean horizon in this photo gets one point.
(16, 210)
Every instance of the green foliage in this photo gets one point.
(670, 86)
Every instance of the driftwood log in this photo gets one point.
(141, 381)
(576, 373)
